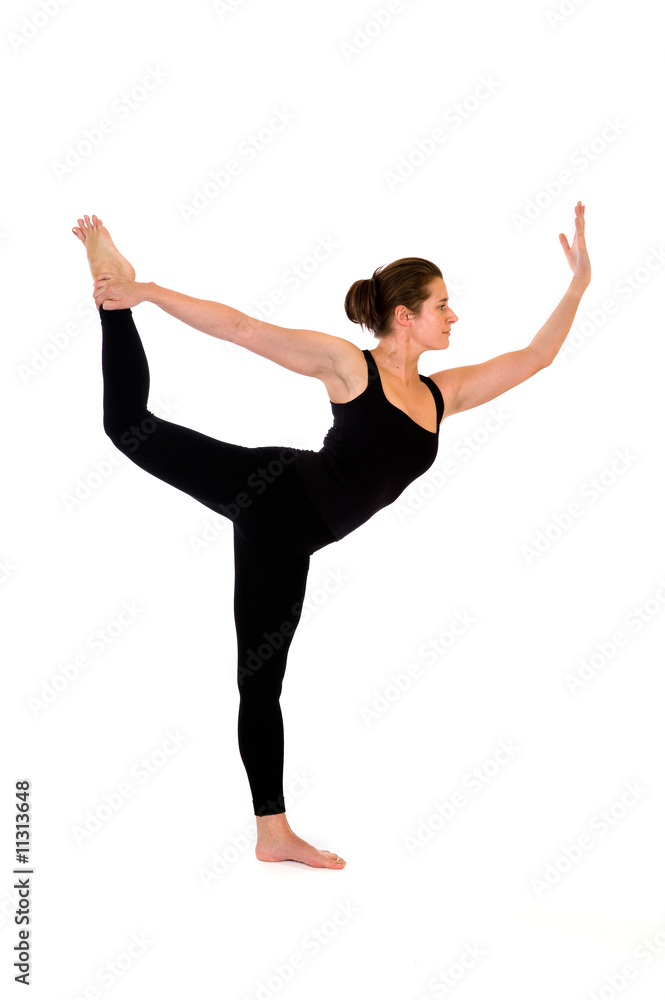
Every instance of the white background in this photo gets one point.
(360, 103)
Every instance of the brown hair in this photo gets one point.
(371, 301)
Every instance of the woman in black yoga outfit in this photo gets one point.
(286, 503)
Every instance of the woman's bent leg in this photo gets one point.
(270, 581)
(214, 472)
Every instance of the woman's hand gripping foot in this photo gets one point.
(117, 292)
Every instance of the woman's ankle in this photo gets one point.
(272, 823)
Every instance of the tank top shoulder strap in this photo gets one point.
(372, 370)
(438, 398)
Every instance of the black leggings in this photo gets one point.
(275, 530)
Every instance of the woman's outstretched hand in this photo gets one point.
(117, 292)
(577, 256)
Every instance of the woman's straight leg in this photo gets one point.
(270, 582)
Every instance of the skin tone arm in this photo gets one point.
(307, 352)
(471, 385)
(210, 317)
(205, 315)
(551, 336)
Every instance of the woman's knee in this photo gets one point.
(129, 434)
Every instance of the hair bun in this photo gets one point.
(370, 302)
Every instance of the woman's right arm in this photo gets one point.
(306, 352)
(205, 315)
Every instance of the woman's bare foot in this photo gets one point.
(103, 255)
(276, 841)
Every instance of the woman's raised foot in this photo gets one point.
(103, 255)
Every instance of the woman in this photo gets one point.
(287, 503)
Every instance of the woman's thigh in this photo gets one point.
(276, 509)
(269, 590)
(259, 488)
(231, 479)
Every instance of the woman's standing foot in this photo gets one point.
(276, 841)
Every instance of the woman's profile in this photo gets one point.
(287, 503)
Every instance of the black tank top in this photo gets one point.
(369, 456)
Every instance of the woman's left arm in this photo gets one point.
(471, 385)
